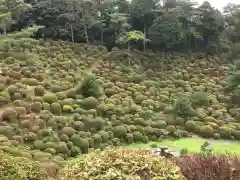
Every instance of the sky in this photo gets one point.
(219, 4)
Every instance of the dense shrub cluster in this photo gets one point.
(120, 164)
(62, 99)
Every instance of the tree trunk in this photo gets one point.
(85, 28)
(144, 40)
(72, 34)
(129, 61)
(101, 36)
(162, 62)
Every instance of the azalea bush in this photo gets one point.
(129, 164)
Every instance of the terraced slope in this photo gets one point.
(59, 99)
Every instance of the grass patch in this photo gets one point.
(193, 145)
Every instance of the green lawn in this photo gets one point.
(193, 145)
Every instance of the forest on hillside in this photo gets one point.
(119, 90)
(160, 25)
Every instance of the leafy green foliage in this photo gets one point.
(199, 99)
(234, 76)
(181, 107)
(205, 149)
(89, 87)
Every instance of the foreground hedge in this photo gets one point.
(129, 164)
(196, 167)
(16, 168)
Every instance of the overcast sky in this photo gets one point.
(219, 4)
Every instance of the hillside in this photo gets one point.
(59, 99)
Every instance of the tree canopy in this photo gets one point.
(170, 25)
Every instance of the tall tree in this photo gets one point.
(142, 15)
(10, 10)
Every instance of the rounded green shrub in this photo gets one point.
(137, 136)
(97, 138)
(42, 156)
(5, 95)
(120, 131)
(21, 111)
(55, 88)
(192, 126)
(36, 107)
(17, 103)
(9, 114)
(129, 138)
(68, 101)
(90, 103)
(71, 93)
(64, 138)
(61, 95)
(39, 144)
(171, 129)
(62, 148)
(45, 115)
(50, 98)
(17, 96)
(38, 99)
(12, 89)
(50, 150)
(206, 131)
(56, 108)
(69, 131)
(78, 125)
(159, 124)
(39, 90)
(46, 106)
(30, 81)
(67, 109)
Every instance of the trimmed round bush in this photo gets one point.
(129, 138)
(17, 96)
(12, 89)
(120, 131)
(90, 103)
(17, 102)
(69, 131)
(36, 107)
(50, 98)
(78, 125)
(61, 95)
(9, 114)
(68, 101)
(62, 148)
(67, 109)
(159, 124)
(56, 108)
(46, 106)
(39, 90)
(21, 111)
(206, 131)
(131, 161)
(30, 81)
(192, 126)
(137, 136)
